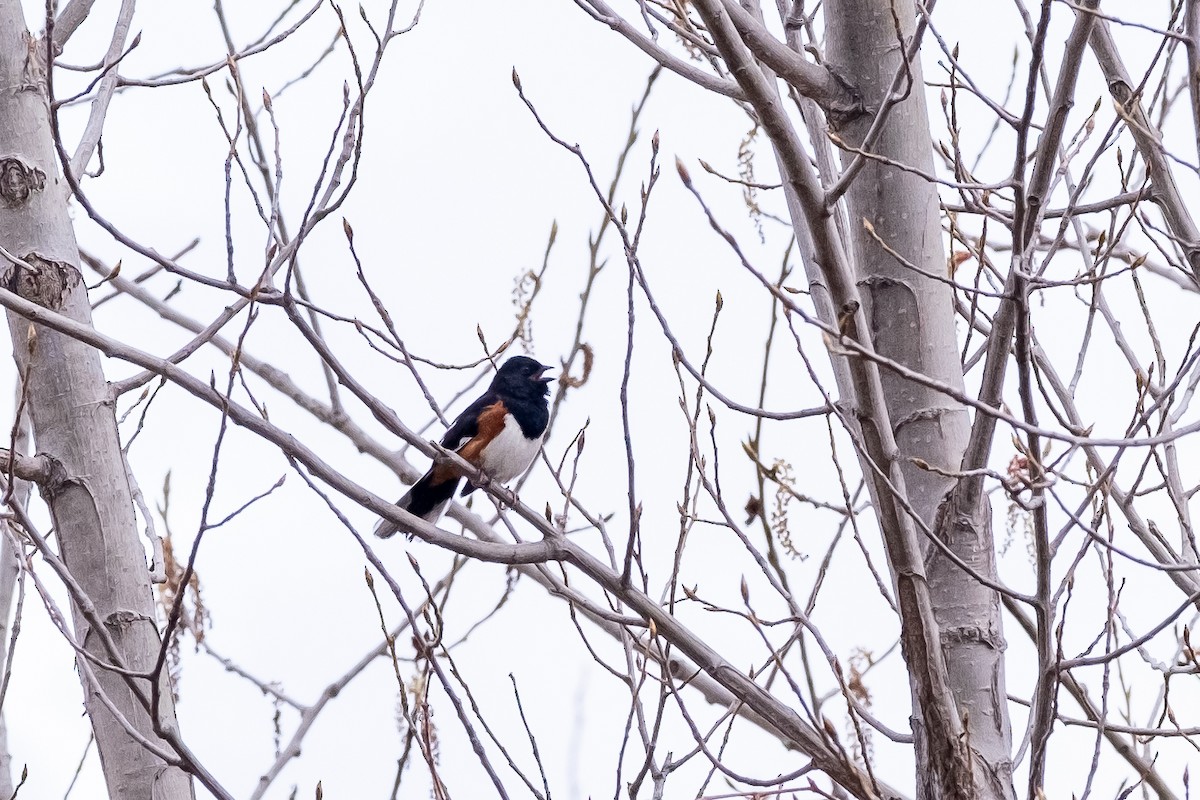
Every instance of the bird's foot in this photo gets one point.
(440, 458)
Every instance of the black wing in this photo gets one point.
(467, 423)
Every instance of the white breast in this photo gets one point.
(510, 453)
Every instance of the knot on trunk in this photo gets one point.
(41, 280)
(121, 620)
(56, 478)
(19, 180)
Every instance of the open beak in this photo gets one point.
(541, 376)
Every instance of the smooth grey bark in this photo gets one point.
(912, 322)
(1191, 29)
(71, 409)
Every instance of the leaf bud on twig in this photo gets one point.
(683, 172)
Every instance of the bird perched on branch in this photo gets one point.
(500, 433)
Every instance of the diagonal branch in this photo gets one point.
(816, 82)
(602, 12)
(1149, 143)
(554, 546)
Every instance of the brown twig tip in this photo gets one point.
(516, 79)
(116, 272)
(266, 99)
(348, 230)
(654, 142)
(720, 301)
(683, 172)
(369, 578)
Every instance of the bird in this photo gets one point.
(500, 433)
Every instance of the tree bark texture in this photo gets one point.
(71, 409)
(912, 321)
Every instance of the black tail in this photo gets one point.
(426, 499)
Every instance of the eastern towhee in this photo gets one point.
(501, 433)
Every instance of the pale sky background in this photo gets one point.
(457, 192)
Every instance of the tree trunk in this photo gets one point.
(73, 423)
(912, 322)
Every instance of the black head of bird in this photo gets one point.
(522, 376)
